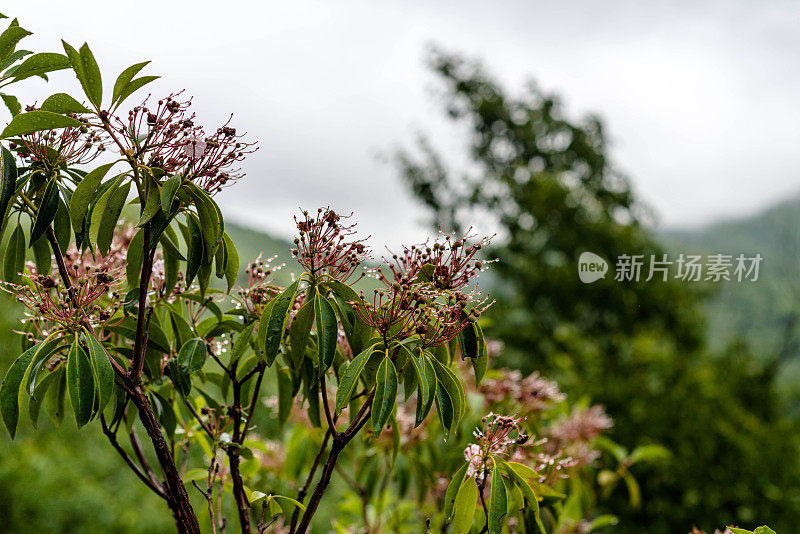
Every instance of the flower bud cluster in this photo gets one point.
(260, 289)
(91, 301)
(450, 263)
(499, 436)
(52, 149)
(324, 245)
(427, 292)
(531, 394)
(167, 138)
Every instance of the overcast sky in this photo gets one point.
(700, 99)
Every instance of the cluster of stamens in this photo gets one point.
(415, 300)
(51, 149)
(325, 245)
(167, 138)
(449, 263)
(499, 435)
(260, 289)
(90, 301)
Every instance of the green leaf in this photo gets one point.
(444, 408)
(134, 86)
(37, 121)
(8, 183)
(327, 331)
(14, 260)
(350, 377)
(42, 256)
(92, 82)
(9, 40)
(204, 277)
(634, 493)
(63, 103)
(108, 217)
(171, 269)
(103, 372)
(427, 375)
(357, 332)
(180, 378)
(133, 260)
(195, 256)
(385, 394)
(468, 341)
(242, 342)
(9, 389)
(649, 453)
(39, 64)
(285, 394)
(80, 383)
(54, 400)
(83, 194)
(40, 357)
(464, 508)
(61, 224)
(35, 403)
(452, 490)
(481, 361)
(152, 204)
(273, 324)
(125, 78)
(192, 355)
(210, 220)
(47, 210)
(220, 259)
(181, 327)
(498, 502)
(521, 474)
(157, 339)
(168, 192)
(232, 264)
(11, 102)
(299, 333)
(452, 385)
(13, 58)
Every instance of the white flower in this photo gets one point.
(473, 455)
(195, 148)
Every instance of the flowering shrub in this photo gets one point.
(125, 325)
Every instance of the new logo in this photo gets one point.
(591, 267)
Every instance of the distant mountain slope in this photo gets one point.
(250, 243)
(761, 312)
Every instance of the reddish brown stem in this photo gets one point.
(177, 498)
(301, 495)
(242, 503)
(140, 343)
(340, 440)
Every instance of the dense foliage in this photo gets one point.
(124, 330)
(545, 181)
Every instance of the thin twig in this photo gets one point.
(304, 490)
(327, 405)
(199, 420)
(140, 343)
(139, 450)
(112, 438)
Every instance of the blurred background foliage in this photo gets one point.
(639, 348)
(705, 371)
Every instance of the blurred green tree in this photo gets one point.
(545, 181)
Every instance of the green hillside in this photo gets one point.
(250, 243)
(765, 313)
